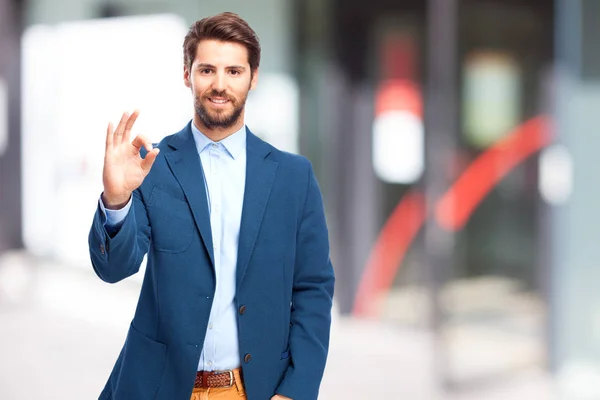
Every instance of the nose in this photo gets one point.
(219, 83)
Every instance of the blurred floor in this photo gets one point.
(62, 329)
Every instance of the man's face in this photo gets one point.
(220, 79)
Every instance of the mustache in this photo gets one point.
(222, 94)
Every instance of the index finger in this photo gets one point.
(141, 140)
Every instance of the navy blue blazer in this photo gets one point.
(285, 278)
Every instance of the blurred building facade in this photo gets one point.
(453, 140)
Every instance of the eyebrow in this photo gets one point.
(204, 65)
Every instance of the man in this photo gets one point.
(236, 299)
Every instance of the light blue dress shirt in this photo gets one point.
(224, 165)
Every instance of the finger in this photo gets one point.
(129, 125)
(120, 129)
(109, 136)
(149, 160)
(141, 140)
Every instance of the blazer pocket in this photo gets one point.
(142, 367)
(171, 221)
(285, 362)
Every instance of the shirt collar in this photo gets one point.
(233, 143)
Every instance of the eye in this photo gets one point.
(205, 71)
(234, 72)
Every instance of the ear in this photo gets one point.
(186, 76)
(254, 80)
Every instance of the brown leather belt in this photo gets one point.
(214, 379)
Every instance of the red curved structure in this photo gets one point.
(452, 211)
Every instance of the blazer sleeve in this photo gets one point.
(118, 256)
(312, 299)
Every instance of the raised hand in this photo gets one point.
(124, 169)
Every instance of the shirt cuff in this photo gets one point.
(114, 218)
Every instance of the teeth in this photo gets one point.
(218, 101)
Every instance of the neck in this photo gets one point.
(218, 134)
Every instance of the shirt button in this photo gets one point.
(210, 326)
(209, 363)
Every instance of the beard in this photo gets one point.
(219, 119)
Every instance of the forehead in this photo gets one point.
(217, 53)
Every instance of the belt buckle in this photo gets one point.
(230, 372)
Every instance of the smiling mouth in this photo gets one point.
(218, 101)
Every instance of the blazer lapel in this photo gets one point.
(260, 174)
(187, 168)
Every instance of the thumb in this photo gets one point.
(149, 159)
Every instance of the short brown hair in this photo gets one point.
(226, 27)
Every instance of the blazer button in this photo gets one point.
(242, 310)
(102, 251)
(248, 358)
